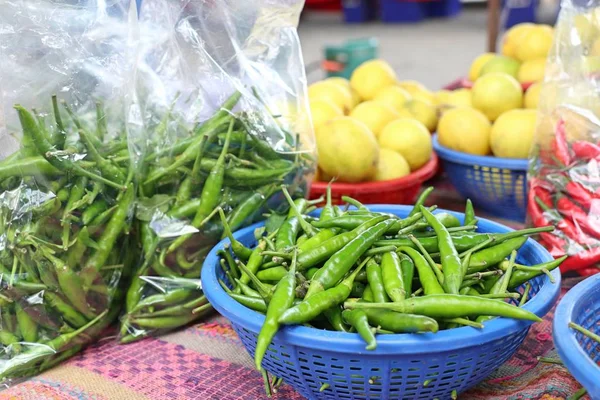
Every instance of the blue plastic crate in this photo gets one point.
(496, 185)
(359, 11)
(456, 359)
(393, 11)
(580, 354)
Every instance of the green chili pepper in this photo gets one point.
(253, 303)
(272, 274)
(392, 277)
(427, 277)
(376, 280)
(334, 316)
(400, 323)
(340, 263)
(314, 305)
(326, 249)
(408, 269)
(163, 299)
(451, 306)
(368, 294)
(249, 206)
(421, 201)
(358, 320)
(451, 264)
(282, 300)
(470, 214)
(72, 316)
(485, 258)
(241, 251)
(27, 326)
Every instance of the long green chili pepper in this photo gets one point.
(253, 303)
(249, 206)
(483, 259)
(408, 270)
(27, 326)
(72, 316)
(451, 264)
(282, 300)
(241, 251)
(392, 276)
(399, 322)
(314, 305)
(111, 233)
(420, 201)
(376, 280)
(340, 263)
(470, 214)
(358, 320)
(334, 316)
(427, 277)
(451, 306)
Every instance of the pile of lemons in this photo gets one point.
(501, 118)
(372, 127)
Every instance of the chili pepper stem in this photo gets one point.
(585, 331)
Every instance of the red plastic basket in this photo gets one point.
(396, 191)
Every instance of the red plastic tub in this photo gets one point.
(396, 191)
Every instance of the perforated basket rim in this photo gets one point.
(454, 156)
(351, 343)
(577, 361)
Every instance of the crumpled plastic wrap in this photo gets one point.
(65, 206)
(564, 176)
(221, 105)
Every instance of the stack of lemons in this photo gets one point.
(501, 117)
(372, 127)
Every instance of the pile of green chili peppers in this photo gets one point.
(93, 218)
(355, 270)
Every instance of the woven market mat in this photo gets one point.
(208, 361)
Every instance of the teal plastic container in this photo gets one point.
(350, 55)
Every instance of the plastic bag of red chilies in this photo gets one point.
(564, 178)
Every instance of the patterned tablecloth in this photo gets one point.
(207, 361)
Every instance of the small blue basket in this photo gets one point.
(496, 185)
(580, 354)
(457, 359)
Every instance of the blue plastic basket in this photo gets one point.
(401, 11)
(580, 354)
(455, 359)
(496, 185)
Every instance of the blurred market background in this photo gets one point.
(433, 50)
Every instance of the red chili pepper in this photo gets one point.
(582, 260)
(579, 193)
(561, 148)
(588, 223)
(585, 150)
(562, 224)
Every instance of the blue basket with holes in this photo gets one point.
(457, 359)
(495, 185)
(580, 353)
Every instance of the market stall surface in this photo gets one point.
(208, 361)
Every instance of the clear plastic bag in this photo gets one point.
(222, 106)
(564, 178)
(65, 205)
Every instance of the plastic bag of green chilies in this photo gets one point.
(65, 202)
(222, 97)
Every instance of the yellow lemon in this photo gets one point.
(496, 93)
(323, 111)
(532, 71)
(512, 38)
(442, 97)
(466, 130)
(393, 96)
(478, 63)
(422, 111)
(332, 92)
(512, 133)
(412, 86)
(391, 165)
(532, 95)
(370, 77)
(338, 80)
(347, 149)
(504, 64)
(375, 115)
(456, 98)
(534, 43)
(410, 138)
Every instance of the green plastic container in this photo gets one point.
(350, 55)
